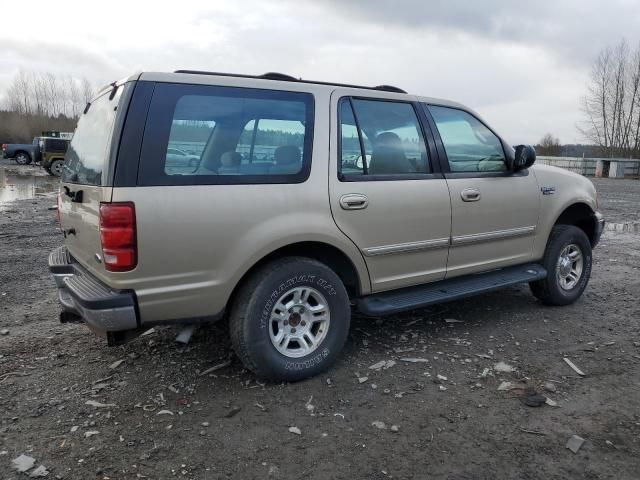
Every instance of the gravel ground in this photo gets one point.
(158, 416)
(618, 198)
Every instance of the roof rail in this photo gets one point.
(278, 76)
(389, 88)
(288, 78)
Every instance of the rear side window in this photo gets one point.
(87, 152)
(381, 138)
(209, 135)
(56, 146)
(470, 145)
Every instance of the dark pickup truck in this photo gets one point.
(22, 153)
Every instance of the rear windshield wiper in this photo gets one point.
(113, 91)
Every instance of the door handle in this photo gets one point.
(354, 201)
(470, 195)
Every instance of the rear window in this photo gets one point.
(85, 158)
(210, 135)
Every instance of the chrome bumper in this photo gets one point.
(81, 294)
(599, 220)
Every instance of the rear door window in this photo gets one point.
(209, 135)
(381, 138)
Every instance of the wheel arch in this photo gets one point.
(325, 253)
(580, 215)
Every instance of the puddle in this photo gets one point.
(626, 227)
(22, 183)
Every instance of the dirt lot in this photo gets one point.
(161, 418)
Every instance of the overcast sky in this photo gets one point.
(522, 65)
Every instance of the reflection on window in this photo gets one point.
(186, 143)
(217, 135)
(87, 151)
(470, 145)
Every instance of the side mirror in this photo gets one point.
(525, 156)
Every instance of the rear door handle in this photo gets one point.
(470, 195)
(354, 201)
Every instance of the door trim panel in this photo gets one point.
(495, 235)
(407, 247)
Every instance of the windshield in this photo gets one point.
(85, 159)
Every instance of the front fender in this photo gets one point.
(559, 190)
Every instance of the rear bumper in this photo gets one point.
(80, 293)
(599, 224)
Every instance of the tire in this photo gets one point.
(262, 316)
(568, 255)
(23, 158)
(55, 168)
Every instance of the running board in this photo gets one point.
(396, 301)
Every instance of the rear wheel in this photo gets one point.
(290, 320)
(23, 158)
(55, 168)
(568, 260)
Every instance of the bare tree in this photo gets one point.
(46, 94)
(75, 97)
(549, 145)
(612, 104)
(87, 91)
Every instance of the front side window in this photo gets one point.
(208, 135)
(381, 138)
(470, 145)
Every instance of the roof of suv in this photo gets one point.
(279, 80)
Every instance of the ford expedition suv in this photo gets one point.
(297, 202)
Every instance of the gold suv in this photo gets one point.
(280, 204)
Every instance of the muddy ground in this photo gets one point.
(164, 419)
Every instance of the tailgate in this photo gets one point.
(80, 223)
(84, 178)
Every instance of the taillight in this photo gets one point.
(118, 236)
(4, 146)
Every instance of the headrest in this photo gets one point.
(388, 139)
(286, 155)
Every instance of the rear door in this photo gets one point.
(386, 193)
(84, 178)
(494, 212)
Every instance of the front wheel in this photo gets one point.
(23, 158)
(568, 260)
(290, 319)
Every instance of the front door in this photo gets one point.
(385, 193)
(494, 212)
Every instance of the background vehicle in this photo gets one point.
(22, 153)
(280, 228)
(178, 159)
(52, 151)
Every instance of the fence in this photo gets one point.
(607, 167)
